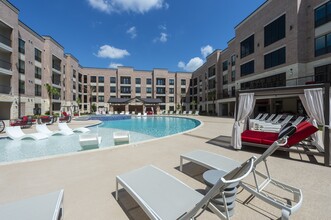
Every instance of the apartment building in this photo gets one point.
(28, 61)
(285, 44)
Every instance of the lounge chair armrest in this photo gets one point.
(251, 161)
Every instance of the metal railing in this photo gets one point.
(5, 65)
(5, 89)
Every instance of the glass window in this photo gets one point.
(183, 91)
(183, 82)
(160, 90)
(21, 46)
(37, 54)
(225, 65)
(247, 46)
(101, 79)
(21, 66)
(112, 79)
(138, 89)
(22, 87)
(37, 72)
(323, 45)
(138, 81)
(125, 80)
(93, 79)
(233, 60)
(101, 89)
(37, 90)
(171, 99)
(233, 75)
(247, 68)
(101, 98)
(323, 14)
(275, 31)
(275, 58)
(171, 82)
(171, 90)
(125, 89)
(148, 81)
(148, 90)
(160, 81)
(112, 89)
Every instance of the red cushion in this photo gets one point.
(64, 114)
(304, 130)
(258, 137)
(25, 118)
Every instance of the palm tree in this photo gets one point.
(50, 92)
(91, 90)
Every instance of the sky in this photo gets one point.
(176, 35)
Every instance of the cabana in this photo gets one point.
(138, 105)
(315, 100)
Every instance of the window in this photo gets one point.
(37, 72)
(275, 58)
(125, 80)
(160, 90)
(247, 47)
(160, 81)
(37, 90)
(37, 54)
(211, 84)
(138, 81)
(101, 79)
(225, 65)
(101, 89)
(148, 90)
(21, 66)
(101, 98)
(162, 98)
(183, 82)
(225, 79)
(211, 71)
(85, 79)
(93, 79)
(138, 89)
(233, 75)
(171, 99)
(183, 91)
(247, 68)
(112, 79)
(275, 31)
(323, 14)
(233, 60)
(278, 80)
(323, 45)
(171, 82)
(112, 89)
(21, 46)
(74, 74)
(21, 87)
(323, 74)
(149, 81)
(126, 89)
(171, 90)
(94, 98)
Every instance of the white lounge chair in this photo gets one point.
(121, 137)
(64, 127)
(116, 112)
(139, 114)
(162, 196)
(258, 116)
(219, 162)
(184, 112)
(42, 128)
(196, 113)
(189, 112)
(177, 112)
(127, 113)
(89, 140)
(122, 113)
(171, 112)
(133, 113)
(269, 127)
(16, 133)
(256, 123)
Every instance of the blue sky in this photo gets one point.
(145, 34)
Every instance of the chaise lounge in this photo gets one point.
(43, 129)
(64, 127)
(16, 133)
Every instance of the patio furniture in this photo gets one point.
(46, 119)
(286, 138)
(65, 117)
(258, 116)
(196, 113)
(43, 129)
(89, 140)
(184, 112)
(255, 124)
(25, 122)
(189, 112)
(42, 207)
(171, 112)
(177, 112)
(121, 137)
(162, 196)
(16, 133)
(275, 127)
(2, 126)
(64, 127)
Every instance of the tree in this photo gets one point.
(212, 97)
(193, 103)
(50, 92)
(91, 90)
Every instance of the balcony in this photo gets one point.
(5, 67)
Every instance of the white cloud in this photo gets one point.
(163, 27)
(206, 50)
(192, 65)
(115, 65)
(132, 31)
(107, 51)
(163, 38)
(136, 6)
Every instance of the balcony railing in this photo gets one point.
(5, 65)
(56, 66)
(5, 40)
(5, 89)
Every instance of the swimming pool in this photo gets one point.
(141, 129)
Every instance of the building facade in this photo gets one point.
(277, 45)
(29, 61)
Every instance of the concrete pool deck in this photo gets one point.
(88, 178)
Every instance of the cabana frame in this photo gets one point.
(294, 91)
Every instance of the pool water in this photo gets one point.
(141, 129)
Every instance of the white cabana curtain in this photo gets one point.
(245, 108)
(312, 101)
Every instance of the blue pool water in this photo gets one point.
(141, 129)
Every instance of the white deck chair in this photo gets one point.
(184, 112)
(256, 124)
(16, 133)
(171, 112)
(189, 112)
(89, 140)
(162, 196)
(258, 116)
(269, 127)
(177, 112)
(42, 128)
(127, 113)
(219, 162)
(116, 112)
(196, 113)
(64, 127)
